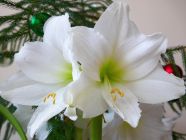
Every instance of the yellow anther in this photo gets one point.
(114, 97)
(51, 95)
(115, 92)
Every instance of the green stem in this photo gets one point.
(5, 112)
(78, 134)
(96, 128)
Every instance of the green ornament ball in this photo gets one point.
(37, 22)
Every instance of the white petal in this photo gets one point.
(87, 97)
(71, 113)
(90, 49)
(126, 107)
(15, 81)
(43, 132)
(21, 90)
(41, 116)
(143, 57)
(157, 87)
(56, 31)
(113, 24)
(150, 126)
(117, 28)
(42, 63)
(51, 107)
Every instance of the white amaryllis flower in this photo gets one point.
(152, 125)
(47, 71)
(120, 67)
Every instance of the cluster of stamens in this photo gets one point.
(52, 96)
(115, 92)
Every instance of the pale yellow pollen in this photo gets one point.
(115, 92)
(52, 96)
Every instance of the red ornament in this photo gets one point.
(173, 69)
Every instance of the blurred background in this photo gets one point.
(166, 16)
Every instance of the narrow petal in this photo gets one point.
(41, 116)
(90, 49)
(53, 105)
(126, 105)
(56, 31)
(42, 63)
(163, 87)
(43, 132)
(21, 90)
(87, 97)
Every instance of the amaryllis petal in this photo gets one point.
(21, 90)
(56, 31)
(43, 132)
(15, 81)
(87, 97)
(41, 116)
(51, 106)
(144, 57)
(157, 87)
(151, 126)
(43, 63)
(113, 23)
(124, 103)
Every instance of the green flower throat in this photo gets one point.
(111, 70)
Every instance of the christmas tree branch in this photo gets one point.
(17, 26)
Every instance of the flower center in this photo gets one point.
(112, 70)
(66, 73)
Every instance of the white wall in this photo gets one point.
(166, 16)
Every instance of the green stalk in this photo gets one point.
(96, 128)
(5, 112)
(78, 134)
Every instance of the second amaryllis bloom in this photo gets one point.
(47, 72)
(152, 125)
(120, 67)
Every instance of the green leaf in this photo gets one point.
(5, 112)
